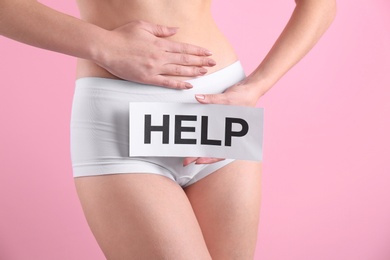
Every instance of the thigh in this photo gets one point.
(227, 206)
(141, 216)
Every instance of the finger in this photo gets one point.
(188, 60)
(178, 70)
(212, 99)
(167, 82)
(189, 160)
(159, 30)
(208, 160)
(185, 48)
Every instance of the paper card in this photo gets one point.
(195, 130)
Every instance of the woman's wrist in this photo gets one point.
(97, 47)
(257, 84)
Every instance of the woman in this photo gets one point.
(153, 208)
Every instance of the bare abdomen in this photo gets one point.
(196, 26)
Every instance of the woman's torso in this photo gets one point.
(196, 26)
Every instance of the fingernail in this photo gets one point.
(202, 71)
(212, 62)
(202, 97)
(208, 53)
(188, 85)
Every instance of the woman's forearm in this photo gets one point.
(136, 51)
(35, 24)
(307, 24)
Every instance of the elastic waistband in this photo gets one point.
(224, 76)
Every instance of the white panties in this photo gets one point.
(100, 125)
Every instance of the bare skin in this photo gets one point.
(193, 20)
(136, 51)
(225, 205)
(215, 218)
(145, 216)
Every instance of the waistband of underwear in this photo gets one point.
(224, 76)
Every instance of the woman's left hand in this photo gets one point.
(307, 24)
(243, 93)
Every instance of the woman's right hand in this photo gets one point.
(137, 51)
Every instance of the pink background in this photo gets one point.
(326, 184)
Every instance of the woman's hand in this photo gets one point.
(243, 93)
(137, 51)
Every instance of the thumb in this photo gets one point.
(211, 98)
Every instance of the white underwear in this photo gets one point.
(100, 125)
